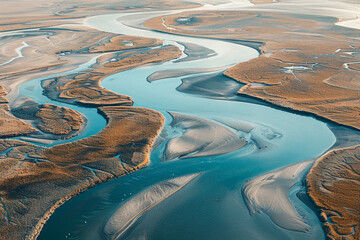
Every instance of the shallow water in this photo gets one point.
(211, 206)
(33, 90)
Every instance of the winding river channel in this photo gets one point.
(211, 206)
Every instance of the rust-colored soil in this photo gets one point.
(85, 88)
(334, 185)
(11, 126)
(303, 90)
(127, 133)
(29, 173)
(289, 41)
(58, 120)
(306, 64)
(34, 181)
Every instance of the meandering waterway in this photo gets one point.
(211, 205)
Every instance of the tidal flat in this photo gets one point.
(201, 119)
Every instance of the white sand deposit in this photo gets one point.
(130, 211)
(201, 137)
(269, 193)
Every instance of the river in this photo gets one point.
(211, 206)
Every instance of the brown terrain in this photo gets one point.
(42, 54)
(35, 180)
(52, 27)
(11, 126)
(29, 173)
(52, 122)
(334, 185)
(300, 42)
(58, 120)
(41, 13)
(85, 88)
(306, 64)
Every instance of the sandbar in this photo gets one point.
(268, 193)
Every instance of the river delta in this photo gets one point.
(178, 120)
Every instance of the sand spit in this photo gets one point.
(35, 180)
(236, 124)
(28, 172)
(192, 136)
(315, 44)
(173, 73)
(345, 137)
(268, 193)
(355, 23)
(36, 140)
(212, 85)
(326, 87)
(334, 185)
(194, 52)
(201, 137)
(262, 1)
(131, 210)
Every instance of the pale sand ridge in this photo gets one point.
(268, 193)
(130, 211)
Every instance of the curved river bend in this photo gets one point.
(211, 206)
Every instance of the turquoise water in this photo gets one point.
(33, 90)
(211, 206)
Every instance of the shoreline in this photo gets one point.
(248, 43)
(324, 185)
(278, 53)
(296, 111)
(99, 177)
(284, 105)
(80, 177)
(62, 201)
